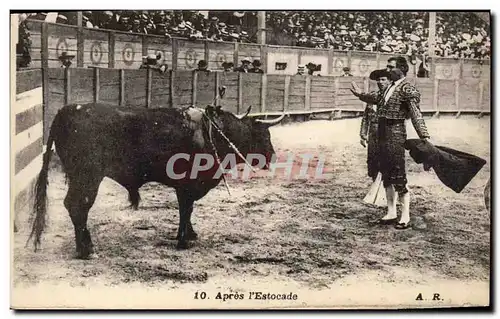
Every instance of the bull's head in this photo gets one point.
(248, 135)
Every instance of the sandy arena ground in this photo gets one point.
(313, 237)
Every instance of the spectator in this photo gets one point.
(398, 32)
(311, 68)
(228, 66)
(23, 45)
(151, 61)
(458, 34)
(187, 24)
(245, 66)
(346, 71)
(301, 70)
(424, 67)
(65, 59)
(256, 67)
(202, 66)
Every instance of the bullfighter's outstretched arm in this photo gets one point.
(370, 98)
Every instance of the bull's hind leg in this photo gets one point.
(134, 198)
(80, 198)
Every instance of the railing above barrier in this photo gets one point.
(122, 50)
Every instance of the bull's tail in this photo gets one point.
(38, 218)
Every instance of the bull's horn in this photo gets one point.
(241, 117)
(275, 121)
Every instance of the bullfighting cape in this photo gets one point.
(454, 168)
(376, 193)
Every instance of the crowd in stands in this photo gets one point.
(458, 34)
(219, 26)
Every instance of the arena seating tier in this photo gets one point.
(458, 34)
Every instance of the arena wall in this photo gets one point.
(268, 94)
(27, 137)
(121, 50)
(106, 66)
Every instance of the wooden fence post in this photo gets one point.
(263, 57)
(111, 50)
(286, 93)
(172, 76)
(235, 54)
(45, 65)
(149, 80)
(435, 91)
(480, 102)
(174, 54)
(67, 86)
(240, 93)
(206, 51)
(216, 88)
(307, 101)
(330, 61)
(97, 83)
(349, 59)
(263, 92)
(457, 97)
(337, 88)
(194, 87)
(461, 70)
(144, 45)
(122, 87)
(80, 45)
(435, 95)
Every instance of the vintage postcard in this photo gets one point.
(183, 159)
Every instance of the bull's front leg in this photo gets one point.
(185, 210)
(191, 234)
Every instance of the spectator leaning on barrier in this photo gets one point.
(202, 66)
(346, 71)
(245, 65)
(301, 70)
(256, 67)
(424, 68)
(311, 68)
(65, 59)
(228, 66)
(151, 61)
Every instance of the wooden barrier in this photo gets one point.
(268, 94)
(122, 50)
(27, 136)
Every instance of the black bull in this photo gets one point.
(132, 146)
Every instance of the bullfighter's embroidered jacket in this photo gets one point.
(402, 104)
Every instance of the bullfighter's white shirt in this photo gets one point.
(391, 89)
